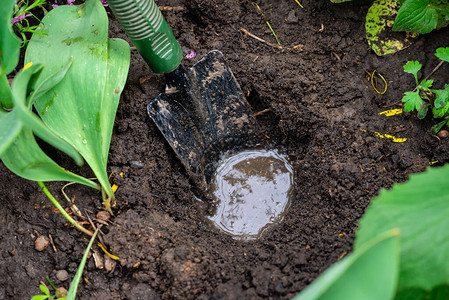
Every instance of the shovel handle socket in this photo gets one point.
(148, 30)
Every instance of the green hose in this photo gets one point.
(146, 27)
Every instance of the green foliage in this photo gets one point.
(22, 11)
(413, 67)
(378, 25)
(419, 208)
(412, 101)
(71, 294)
(443, 54)
(422, 16)
(424, 97)
(72, 121)
(369, 273)
(9, 43)
(18, 148)
(81, 109)
(9, 53)
(412, 17)
(47, 294)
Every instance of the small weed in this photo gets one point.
(423, 97)
(71, 294)
(59, 295)
(24, 9)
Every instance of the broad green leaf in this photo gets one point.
(9, 51)
(339, 1)
(118, 65)
(71, 294)
(81, 109)
(26, 159)
(9, 42)
(422, 16)
(379, 21)
(443, 53)
(23, 83)
(10, 127)
(411, 294)
(5, 92)
(369, 273)
(420, 209)
(412, 101)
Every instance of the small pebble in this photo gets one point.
(103, 215)
(443, 134)
(136, 164)
(292, 18)
(109, 263)
(61, 292)
(41, 243)
(62, 275)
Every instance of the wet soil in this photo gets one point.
(314, 103)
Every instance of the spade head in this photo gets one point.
(203, 114)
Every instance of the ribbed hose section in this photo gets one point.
(146, 27)
(139, 18)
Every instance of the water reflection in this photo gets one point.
(251, 190)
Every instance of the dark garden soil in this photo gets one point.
(316, 105)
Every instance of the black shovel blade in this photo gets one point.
(202, 114)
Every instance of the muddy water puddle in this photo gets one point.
(251, 191)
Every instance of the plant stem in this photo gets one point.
(61, 209)
(71, 294)
(5, 92)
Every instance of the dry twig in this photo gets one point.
(171, 8)
(299, 46)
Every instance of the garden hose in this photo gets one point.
(148, 30)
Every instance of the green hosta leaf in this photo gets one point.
(411, 294)
(422, 16)
(23, 83)
(9, 42)
(19, 151)
(369, 273)
(443, 53)
(9, 51)
(119, 59)
(420, 209)
(379, 21)
(81, 109)
(5, 92)
(25, 158)
(412, 101)
(10, 127)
